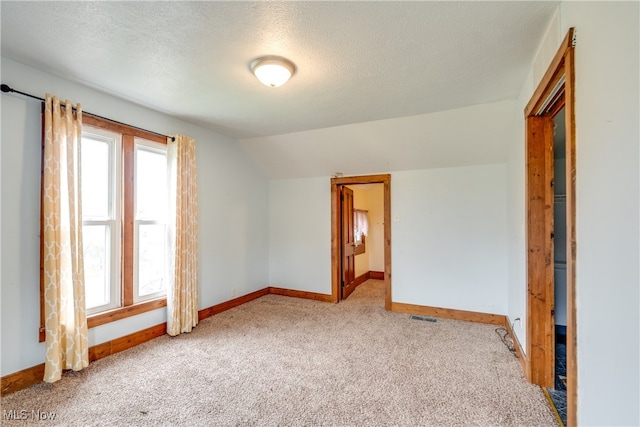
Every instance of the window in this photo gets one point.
(125, 214)
(101, 218)
(360, 230)
(151, 198)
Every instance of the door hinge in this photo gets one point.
(342, 197)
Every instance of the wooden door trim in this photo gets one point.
(540, 258)
(384, 179)
(540, 306)
(551, 76)
(572, 336)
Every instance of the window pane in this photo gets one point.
(95, 178)
(151, 258)
(151, 184)
(96, 271)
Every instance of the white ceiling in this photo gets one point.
(356, 61)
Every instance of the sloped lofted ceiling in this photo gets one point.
(356, 61)
(467, 136)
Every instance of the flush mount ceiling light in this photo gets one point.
(272, 71)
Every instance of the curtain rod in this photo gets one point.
(7, 89)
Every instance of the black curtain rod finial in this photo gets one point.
(6, 89)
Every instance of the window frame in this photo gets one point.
(128, 306)
(361, 248)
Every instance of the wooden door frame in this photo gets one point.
(539, 114)
(384, 179)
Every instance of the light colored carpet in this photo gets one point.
(293, 362)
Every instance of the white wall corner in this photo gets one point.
(548, 48)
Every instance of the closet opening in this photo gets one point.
(551, 234)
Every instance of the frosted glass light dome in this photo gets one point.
(272, 71)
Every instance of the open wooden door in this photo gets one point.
(347, 242)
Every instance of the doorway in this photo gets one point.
(553, 98)
(338, 252)
(557, 392)
(362, 236)
(560, 248)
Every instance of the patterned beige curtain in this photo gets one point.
(65, 312)
(182, 292)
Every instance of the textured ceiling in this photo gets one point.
(356, 61)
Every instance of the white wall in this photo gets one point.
(233, 234)
(517, 268)
(300, 234)
(607, 194)
(448, 249)
(449, 238)
(608, 198)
